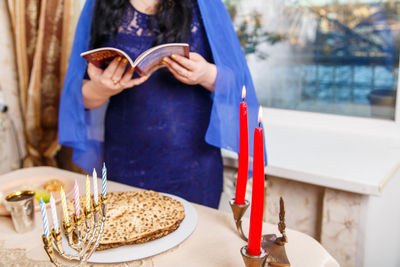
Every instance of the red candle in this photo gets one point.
(257, 200)
(243, 152)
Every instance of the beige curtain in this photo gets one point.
(43, 34)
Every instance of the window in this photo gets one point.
(327, 56)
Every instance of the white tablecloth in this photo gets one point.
(215, 241)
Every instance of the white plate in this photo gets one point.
(33, 183)
(148, 249)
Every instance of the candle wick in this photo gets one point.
(259, 124)
(242, 99)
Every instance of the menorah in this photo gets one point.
(92, 224)
(84, 232)
(273, 250)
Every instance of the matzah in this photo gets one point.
(137, 217)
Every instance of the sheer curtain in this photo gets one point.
(12, 139)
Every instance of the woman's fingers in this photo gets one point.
(119, 71)
(176, 68)
(127, 81)
(179, 77)
(112, 67)
(127, 76)
(183, 61)
(93, 71)
(135, 82)
(179, 72)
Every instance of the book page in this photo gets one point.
(151, 62)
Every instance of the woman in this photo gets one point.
(163, 133)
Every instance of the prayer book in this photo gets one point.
(145, 64)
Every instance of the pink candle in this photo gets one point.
(76, 194)
(257, 200)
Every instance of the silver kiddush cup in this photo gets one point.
(21, 206)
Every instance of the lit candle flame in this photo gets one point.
(260, 115)
(244, 92)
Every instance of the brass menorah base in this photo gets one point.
(275, 249)
(83, 236)
(272, 246)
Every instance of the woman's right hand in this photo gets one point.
(105, 83)
(114, 79)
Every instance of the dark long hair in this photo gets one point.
(173, 18)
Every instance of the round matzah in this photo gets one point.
(137, 217)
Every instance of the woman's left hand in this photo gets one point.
(192, 70)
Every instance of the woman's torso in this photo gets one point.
(155, 132)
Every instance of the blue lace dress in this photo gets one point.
(154, 133)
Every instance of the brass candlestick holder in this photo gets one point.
(273, 247)
(253, 261)
(238, 212)
(86, 244)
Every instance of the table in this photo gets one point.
(215, 241)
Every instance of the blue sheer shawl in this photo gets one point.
(83, 130)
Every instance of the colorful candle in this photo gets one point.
(54, 213)
(104, 181)
(44, 218)
(243, 152)
(64, 206)
(87, 193)
(95, 192)
(76, 195)
(257, 200)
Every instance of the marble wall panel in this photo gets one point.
(303, 204)
(340, 225)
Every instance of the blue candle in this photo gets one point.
(104, 181)
(44, 218)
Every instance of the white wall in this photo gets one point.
(382, 239)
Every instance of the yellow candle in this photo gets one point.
(64, 206)
(87, 193)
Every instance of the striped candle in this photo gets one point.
(95, 192)
(76, 195)
(104, 180)
(87, 187)
(54, 213)
(64, 206)
(44, 218)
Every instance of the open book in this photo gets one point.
(145, 64)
